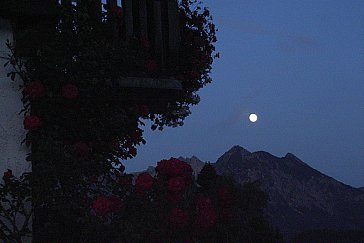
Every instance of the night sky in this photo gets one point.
(299, 65)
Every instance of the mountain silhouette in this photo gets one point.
(301, 198)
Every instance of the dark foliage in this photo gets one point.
(80, 123)
(328, 236)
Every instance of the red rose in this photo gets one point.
(70, 91)
(204, 60)
(8, 174)
(136, 136)
(32, 122)
(189, 241)
(206, 219)
(121, 168)
(174, 167)
(227, 214)
(226, 197)
(133, 151)
(35, 89)
(152, 66)
(116, 203)
(144, 181)
(164, 167)
(125, 181)
(104, 205)
(174, 198)
(199, 20)
(177, 218)
(194, 74)
(203, 202)
(82, 148)
(145, 43)
(181, 77)
(176, 184)
(118, 11)
(93, 179)
(144, 110)
(101, 205)
(114, 144)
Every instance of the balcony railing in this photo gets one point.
(155, 20)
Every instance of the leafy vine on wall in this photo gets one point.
(80, 124)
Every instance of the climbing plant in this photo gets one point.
(80, 123)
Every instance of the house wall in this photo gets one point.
(12, 133)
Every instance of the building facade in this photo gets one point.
(12, 133)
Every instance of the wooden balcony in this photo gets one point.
(155, 20)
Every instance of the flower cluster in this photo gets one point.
(80, 123)
(7, 175)
(104, 205)
(144, 182)
(173, 167)
(32, 122)
(35, 89)
(177, 202)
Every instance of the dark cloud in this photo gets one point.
(287, 41)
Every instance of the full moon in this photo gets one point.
(253, 117)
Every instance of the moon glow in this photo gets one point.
(253, 117)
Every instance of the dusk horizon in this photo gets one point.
(299, 67)
(182, 121)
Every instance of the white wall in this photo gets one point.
(12, 153)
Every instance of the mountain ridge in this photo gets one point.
(301, 198)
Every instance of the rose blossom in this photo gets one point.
(104, 205)
(177, 218)
(133, 151)
(82, 148)
(145, 43)
(152, 66)
(176, 184)
(206, 219)
(118, 11)
(101, 205)
(144, 181)
(226, 197)
(144, 110)
(70, 91)
(173, 167)
(8, 174)
(121, 168)
(32, 122)
(125, 181)
(93, 179)
(227, 214)
(203, 202)
(136, 136)
(194, 74)
(35, 89)
(116, 203)
(114, 144)
(174, 198)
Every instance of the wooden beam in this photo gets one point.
(66, 2)
(111, 3)
(26, 8)
(149, 83)
(129, 29)
(173, 31)
(158, 34)
(143, 18)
